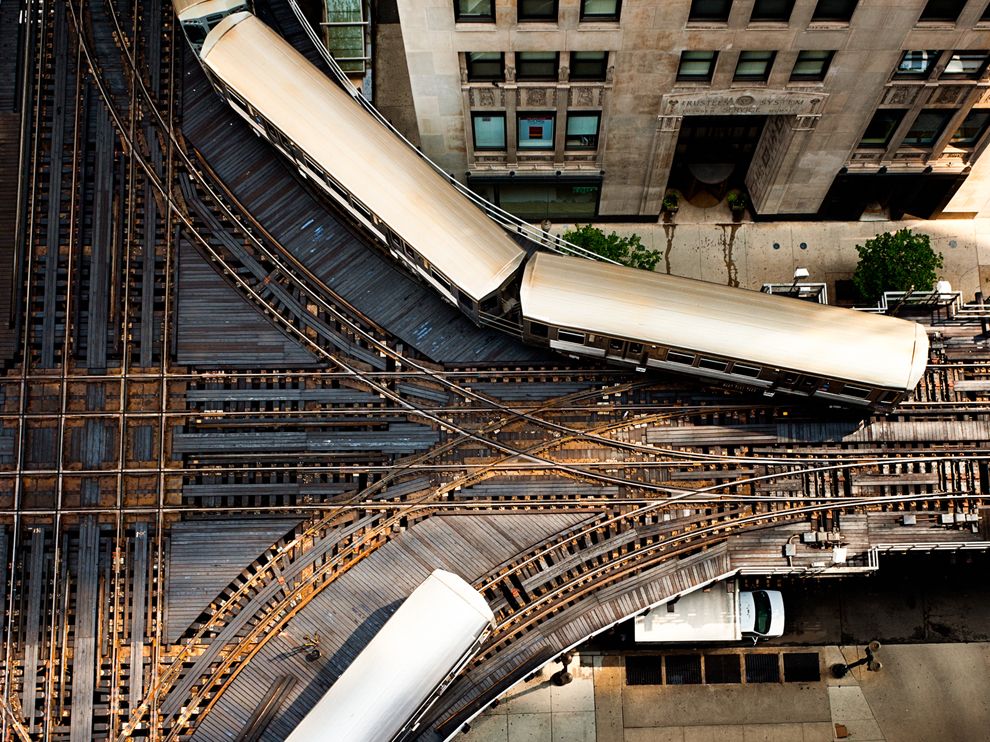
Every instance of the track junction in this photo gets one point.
(226, 424)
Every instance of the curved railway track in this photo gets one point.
(637, 491)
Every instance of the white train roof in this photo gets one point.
(411, 655)
(734, 323)
(367, 159)
(186, 9)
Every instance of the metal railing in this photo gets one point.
(817, 292)
(504, 219)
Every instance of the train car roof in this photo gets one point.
(409, 657)
(366, 158)
(734, 323)
(185, 9)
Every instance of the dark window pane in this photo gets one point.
(802, 667)
(942, 10)
(538, 329)
(697, 66)
(710, 10)
(762, 668)
(571, 337)
(834, 10)
(712, 365)
(722, 668)
(674, 357)
(535, 130)
(811, 65)
(966, 64)
(683, 669)
(474, 10)
(881, 128)
(536, 65)
(582, 131)
(643, 671)
(972, 128)
(485, 66)
(754, 65)
(926, 128)
(742, 370)
(600, 10)
(588, 65)
(986, 13)
(917, 63)
(489, 130)
(537, 10)
(772, 10)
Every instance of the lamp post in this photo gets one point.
(563, 677)
(840, 669)
(799, 274)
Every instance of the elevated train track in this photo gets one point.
(105, 444)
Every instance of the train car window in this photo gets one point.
(571, 337)
(614, 344)
(365, 211)
(465, 301)
(890, 397)
(635, 348)
(750, 371)
(712, 364)
(674, 357)
(490, 305)
(440, 279)
(855, 391)
(538, 329)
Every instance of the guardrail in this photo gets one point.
(501, 217)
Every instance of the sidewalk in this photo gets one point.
(706, 244)
(924, 693)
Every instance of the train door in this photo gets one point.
(626, 351)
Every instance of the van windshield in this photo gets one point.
(762, 602)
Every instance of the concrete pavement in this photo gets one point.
(924, 693)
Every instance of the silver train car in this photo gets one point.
(651, 320)
(578, 307)
(405, 667)
(431, 228)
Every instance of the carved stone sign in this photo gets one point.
(745, 100)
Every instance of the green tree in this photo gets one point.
(626, 250)
(902, 261)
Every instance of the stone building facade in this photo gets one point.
(574, 108)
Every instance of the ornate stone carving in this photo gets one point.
(755, 100)
(901, 95)
(538, 97)
(486, 97)
(948, 93)
(584, 96)
(510, 73)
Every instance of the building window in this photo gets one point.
(754, 66)
(917, 64)
(881, 128)
(537, 65)
(834, 10)
(489, 131)
(600, 10)
(697, 66)
(926, 128)
(772, 10)
(710, 10)
(474, 11)
(588, 65)
(535, 130)
(811, 65)
(943, 11)
(966, 65)
(582, 130)
(485, 66)
(972, 129)
(537, 10)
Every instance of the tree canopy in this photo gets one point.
(902, 261)
(626, 250)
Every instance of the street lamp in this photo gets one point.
(840, 669)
